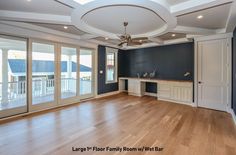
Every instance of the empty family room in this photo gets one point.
(117, 77)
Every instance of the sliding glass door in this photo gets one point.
(69, 74)
(47, 75)
(86, 58)
(13, 76)
(43, 75)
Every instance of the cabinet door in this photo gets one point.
(137, 89)
(131, 86)
(182, 93)
(164, 90)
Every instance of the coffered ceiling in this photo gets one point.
(64, 28)
(101, 21)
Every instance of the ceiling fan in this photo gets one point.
(126, 39)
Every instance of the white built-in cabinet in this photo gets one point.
(136, 87)
(180, 92)
(167, 90)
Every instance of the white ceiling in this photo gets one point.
(213, 18)
(174, 2)
(111, 19)
(104, 18)
(36, 6)
(168, 36)
(70, 28)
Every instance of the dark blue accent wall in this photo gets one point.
(171, 62)
(234, 73)
(102, 86)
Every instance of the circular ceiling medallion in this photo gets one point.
(145, 17)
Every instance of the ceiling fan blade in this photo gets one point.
(122, 37)
(120, 44)
(140, 38)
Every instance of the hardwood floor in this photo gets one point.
(124, 121)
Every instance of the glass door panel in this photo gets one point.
(68, 72)
(43, 73)
(86, 73)
(13, 76)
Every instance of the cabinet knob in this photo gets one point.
(199, 82)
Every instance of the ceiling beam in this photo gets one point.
(88, 36)
(34, 17)
(177, 41)
(70, 3)
(193, 30)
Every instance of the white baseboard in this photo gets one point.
(107, 94)
(150, 94)
(173, 101)
(233, 116)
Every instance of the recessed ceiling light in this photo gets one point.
(173, 35)
(82, 2)
(28, 0)
(106, 38)
(200, 17)
(65, 27)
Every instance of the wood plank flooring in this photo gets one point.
(121, 121)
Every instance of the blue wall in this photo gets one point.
(234, 73)
(171, 62)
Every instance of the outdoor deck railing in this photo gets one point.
(40, 87)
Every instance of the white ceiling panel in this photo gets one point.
(70, 29)
(174, 2)
(213, 18)
(170, 36)
(36, 6)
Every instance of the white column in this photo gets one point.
(4, 76)
(69, 71)
(69, 66)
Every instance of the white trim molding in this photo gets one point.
(107, 94)
(115, 52)
(233, 115)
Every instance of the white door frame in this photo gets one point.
(45, 105)
(227, 36)
(77, 97)
(22, 109)
(94, 75)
